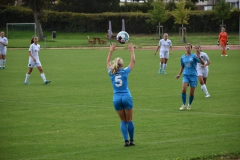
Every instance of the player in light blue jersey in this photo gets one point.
(190, 77)
(164, 44)
(3, 50)
(122, 99)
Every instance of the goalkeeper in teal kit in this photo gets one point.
(122, 98)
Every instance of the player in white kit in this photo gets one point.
(3, 50)
(202, 70)
(34, 60)
(164, 45)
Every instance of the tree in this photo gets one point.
(171, 5)
(181, 15)
(88, 6)
(222, 10)
(7, 2)
(158, 14)
(195, 1)
(37, 7)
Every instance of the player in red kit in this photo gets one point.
(223, 39)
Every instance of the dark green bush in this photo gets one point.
(135, 22)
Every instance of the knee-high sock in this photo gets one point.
(1, 62)
(164, 66)
(43, 77)
(204, 88)
(161, 65)
(190, 100)
(131, 130)
(184, 98)
(124, 130)
(27, 77)
(4, 62)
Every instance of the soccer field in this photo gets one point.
(73, 116)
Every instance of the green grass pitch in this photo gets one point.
(73, 116)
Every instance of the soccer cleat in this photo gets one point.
(26, 83)
(222, 55)
(126, 144)
(164, 72)
(3, 67)
(183, 107)
(47, 81)
(189, 107)
(226, 55)
(160, 71)
(0, 67)
(208, 95)
(132, 143)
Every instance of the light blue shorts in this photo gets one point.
(122, 101)
(191, 80)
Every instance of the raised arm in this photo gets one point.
(111, 50)
(131, 49)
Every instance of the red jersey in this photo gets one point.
(223, 36)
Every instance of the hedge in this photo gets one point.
(135, 22)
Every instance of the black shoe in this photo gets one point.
(132, 143)
(126, 144)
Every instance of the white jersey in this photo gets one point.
(34, 49)
(206, 59)
(5, 40)
(165, 44)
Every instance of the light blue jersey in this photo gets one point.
(120, 80)
(189, 63)
(122, 98)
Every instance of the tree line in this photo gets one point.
(156, 8)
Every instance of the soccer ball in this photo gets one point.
(227, 48)
(122, 37)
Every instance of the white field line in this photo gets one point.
(111, 108)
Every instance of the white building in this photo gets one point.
(206, 5)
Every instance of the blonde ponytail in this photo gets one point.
(117, 63)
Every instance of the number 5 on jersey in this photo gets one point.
(118, 81)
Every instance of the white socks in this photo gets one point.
(27, 77)
(1, 62)
(204, 88)
(43, 77)
(161, 65)
(4, 62)
(164, 66)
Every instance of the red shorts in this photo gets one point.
(223, 43)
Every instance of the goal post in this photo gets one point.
(17, 29)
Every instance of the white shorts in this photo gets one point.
(164, 54)
(32, 64)
(202, 72)
(3, 51)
